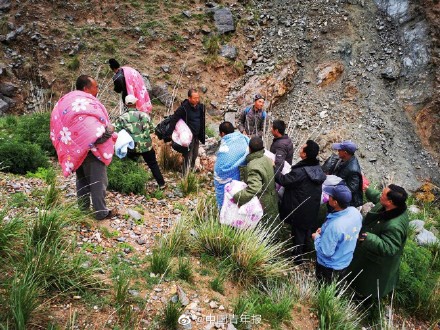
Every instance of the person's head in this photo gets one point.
(258, 102)
(255, 144)
(393, 196)
(346, 149)
(225, 128)
(278, 128)
(114, 65)
(87, 84)
(339, 196)
(310, 150)
(130, 101)
(193, 96)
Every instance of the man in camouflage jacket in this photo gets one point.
(139, 125)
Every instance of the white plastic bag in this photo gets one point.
(182, 134)
(331, 180)
(246, 216)
(285, 170)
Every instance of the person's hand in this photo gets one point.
(362, 237)
(365, 183)
(318, 231)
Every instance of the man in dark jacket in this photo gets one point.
(118, 78)
(302, 195)
(282, 146)
(253, 119)
(376, 260)
(192, 112)
(347, 168)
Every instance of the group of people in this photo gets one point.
(365, 250)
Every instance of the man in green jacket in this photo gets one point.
(380, 244)
(259, 177)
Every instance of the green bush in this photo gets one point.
(418, 288)
(127, 176)
(21, 157)
(35, 128)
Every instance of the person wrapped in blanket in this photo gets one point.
(139, 125)
(230, 156)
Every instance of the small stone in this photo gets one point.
(187, 13)
(76, 297)
(134, 293)
(221, 308)
(413, 209)
(213, 304)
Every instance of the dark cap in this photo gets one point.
(339, 192)
(348, 146)
(258, 97)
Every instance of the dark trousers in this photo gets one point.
(300, 238)
(189, 158)
(91, 183)
(150, 158)
(327, 275)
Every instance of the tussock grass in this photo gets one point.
(10, 233)
(336, 309)
(171, 314)
(169, 160)
(184, 270)
(160, 261)
(189, 183)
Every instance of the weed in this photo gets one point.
(10, 232)
(239, 66)
(121, 284)
(48, 174)
(160, 261)
(169, 160)
(212, 44)
(184, 270)
(210, 132)
(74, 64)
(171, 314)
(189, 183)
(19, 199)
(217, 284)
(159, 194)
(107, 233)
(176, 19)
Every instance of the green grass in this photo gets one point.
(184, 270)
(160, 261)
(217, 284)
(189, 183)
(170, 317)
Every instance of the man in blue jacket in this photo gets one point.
(336, 240)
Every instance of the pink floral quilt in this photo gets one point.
(77, 121)
(136, 86)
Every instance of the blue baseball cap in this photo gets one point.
(339, 192)
(348, 146)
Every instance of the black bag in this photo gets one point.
(162, 129)
(183, 150)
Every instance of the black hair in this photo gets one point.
(280, 126)
(311, 149)
(256, 144)
(397, 195)
(342, 205)
(83, 81)
(113, 64)
(226, 127)
(191, 91)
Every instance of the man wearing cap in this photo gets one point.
(258, 176)
(139, 125)
(302, 196)
(282, 146)
(336, 240)
(253, 121)
(376, 261)
(347, 168)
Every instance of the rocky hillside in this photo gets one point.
(334, 69)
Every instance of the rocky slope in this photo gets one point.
(334, 69)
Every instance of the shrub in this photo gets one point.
(127, 176)
(35, 128)
(21, 157)
(418, 288)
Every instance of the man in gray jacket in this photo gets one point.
(253, 119)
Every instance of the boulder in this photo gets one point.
(417, 225)
(4, 107)
(228, 51)
(223, 20)
(8, 89)
(161, 93)
(425, 237)
(327, 73)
